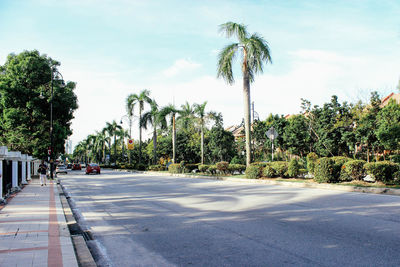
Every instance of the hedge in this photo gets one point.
(352, 170)
(269, 172)
(156, 167)
(222, 167)
(281, 168)
(174, 168)
(326, 171)
(383, 171)
(311, 162)
(232, 168)
(293, 168)
(253, 172)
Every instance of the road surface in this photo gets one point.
(148, 220)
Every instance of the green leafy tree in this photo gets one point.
(220, 145)
(296, 135)
(388, 126)
(171, 111)
(255, 53)
(25, 116)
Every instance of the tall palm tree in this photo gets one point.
(100, 145)
(186, 115)
(199, 110)
(171, 111)
(152, 117)
(112, 129)
(122, 134)
(107, 139)
(255, 53)
(139, 99)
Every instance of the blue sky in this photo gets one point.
(114, 48)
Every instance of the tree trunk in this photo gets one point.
(173, 139)
(140, 136)
(202, 142)
(155, 145)
(115, 149)
(247, 126)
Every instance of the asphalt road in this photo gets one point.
(144, 220)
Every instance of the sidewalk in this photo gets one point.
(33, 231)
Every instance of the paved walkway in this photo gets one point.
(33, 231)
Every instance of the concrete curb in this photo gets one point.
(346, 188)
(82, 252)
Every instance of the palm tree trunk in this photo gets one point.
(155, 146)
(115, 149)
(246, 99)
(173, 139)
(140, 136)
(202, 142)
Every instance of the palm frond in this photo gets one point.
(232, 28)
(225, 60)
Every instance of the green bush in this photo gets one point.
(293, 168)
(191, 167)
(222, 166)
(156, 168)
(383, 171)
(140, 167)
(203, 168)
(269, 172)
(232, 168)
(280, 167)
(326, 171)
(352, 170)
(259, 164)
(395, 158)
(237, 160)
(212, 169)
(253, 172)
(302, 172)
(339, 160)
(311, 162)
(174, 168)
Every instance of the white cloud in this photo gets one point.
(181, 66)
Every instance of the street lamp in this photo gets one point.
(53, 70)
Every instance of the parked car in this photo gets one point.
(76, 166)
(92, 168)
(69, 166)
(61, 169)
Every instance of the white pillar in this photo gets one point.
(24, 158)
(15, 156)
(3, 154)
(29, 176)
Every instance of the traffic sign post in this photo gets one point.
(272, 134)
(130, 144)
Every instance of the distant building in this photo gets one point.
(386, 100)
(237, 131)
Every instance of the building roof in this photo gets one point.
(387, 99)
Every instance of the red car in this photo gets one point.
(76, 166)
(92, 168)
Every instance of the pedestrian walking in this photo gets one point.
(43, 173)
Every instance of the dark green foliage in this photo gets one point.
(293, 168)
(174, 168)
(220, 145)
(311, 162)
(281, 168)
(383, 171)
(237, 160)
(339, 160)
(222, 166)
(395, 158)
(253, 172)
(203, 167)
(269, 172)
(297, 136)
(326, 171)
(156, 167)
(191, 167)
(212, 169)
(236, 168)
(140, 166)
(388, 122)
(352, 170)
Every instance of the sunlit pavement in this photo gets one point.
(141, 220)
(33, 231)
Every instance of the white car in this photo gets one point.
(61, 169)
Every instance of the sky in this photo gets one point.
(113, 48)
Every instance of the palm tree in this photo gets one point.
(131, 101)
(186, 115)
(153, 117)
(107, 139)
(199, 110)
(100, 145)
(255, 52)
(122, 134)
(171, 111)
(111, 129)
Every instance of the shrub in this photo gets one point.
(203, 167)
(259, 164)
(326, 171)
(293, 168)
(140, 167)
(311, 162)
(156, 168)
(280, 167)
(269, 171)
(212, 169)
(339, 160)
(222, 166)
(395, 158)
(352, 170)
(383, 171)
(236, 168)
(174, 168)
(303, 172)
(191, 167)
(237, 160)
(253, 172)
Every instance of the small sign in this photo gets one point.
(272, 133)
(130, 144)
